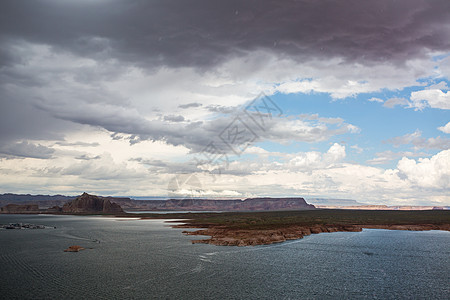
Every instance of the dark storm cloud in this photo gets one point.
(199, 34)
(21, 120)
(204, 33)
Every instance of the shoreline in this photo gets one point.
(223, 236)
(265, 228)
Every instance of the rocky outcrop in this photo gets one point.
(20, 209)
(74, 248)
(90, 204)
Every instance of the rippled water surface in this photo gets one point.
(147, 259)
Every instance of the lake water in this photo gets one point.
(146, 259)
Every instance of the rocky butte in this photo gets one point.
(90, 204)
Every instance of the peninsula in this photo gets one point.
(263, 228)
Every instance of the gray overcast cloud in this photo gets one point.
(199, 34)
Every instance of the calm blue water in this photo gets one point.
(146, 259)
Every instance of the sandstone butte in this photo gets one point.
(222, 236)
(87, 204)
(74, 248)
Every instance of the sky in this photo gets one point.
(227, 99)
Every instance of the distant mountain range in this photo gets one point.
(44, 201)
(250, 204)
(353, 204)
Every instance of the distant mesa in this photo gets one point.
(74, 248)
(20, 208)
(249, 204)
(90, 204)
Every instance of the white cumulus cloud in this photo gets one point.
(431, 172)
(445, 128)
(434, 98)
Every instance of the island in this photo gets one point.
(74, 248)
